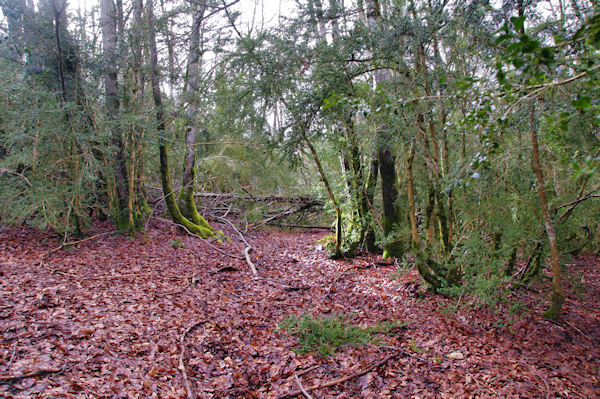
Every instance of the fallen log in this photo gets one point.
(260, 198)
(285, 213)
(300, 226)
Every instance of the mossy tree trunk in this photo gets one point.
(366, 205)
(360, 191)
(187, 204)
(165, 175)
(393, 248)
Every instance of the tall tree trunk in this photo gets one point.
(171, 50)
(165, 175)
(354, 176)
(334, 13)
(387, 162)
(393, 248)
(186, 195)
(58, 10)
(557, 292)
(138, 95)
(120, 204)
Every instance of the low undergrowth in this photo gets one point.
(326, 334)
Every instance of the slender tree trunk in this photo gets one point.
(58, 10)
(411, 198)
(367, 202)
(354, 176)
(171, 50)
(557, 291)
(318, 5)
(430, 213)
(137, 41)
(186, 195)
(109, 43)
(338, 211)
(334, 13)
(165, 175)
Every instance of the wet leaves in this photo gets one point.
(108, 314)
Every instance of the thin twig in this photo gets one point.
(179, 291)
(538, 92)
(579, 331)
(248, 248)
(11, 357)
(3, 170)
(573, 204)
(236, 230)
(335, 280)
(308, 370)
(344, 379)
(37, 373)
(545, 383)
(117, 276)
(304, 392)
(284, 286)
(204, 241)
(66, 244)
(186, 381)
(249, 261)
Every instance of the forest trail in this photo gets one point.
(106, 318)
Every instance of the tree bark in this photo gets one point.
(367, 201)
(109, 42)
(165, 175)
(387, 162)
(557, 292)
(411, 197)
(389, 191)
(338, 227)
(186, 195)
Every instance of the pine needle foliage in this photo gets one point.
(48, 172)
(327, 334)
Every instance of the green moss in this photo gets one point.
(201, 229)
(394, 247)
(553, 313)
(120, 217)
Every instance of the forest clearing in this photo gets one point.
(299, 198)
(107, 318)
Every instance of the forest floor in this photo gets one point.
(109, 317)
